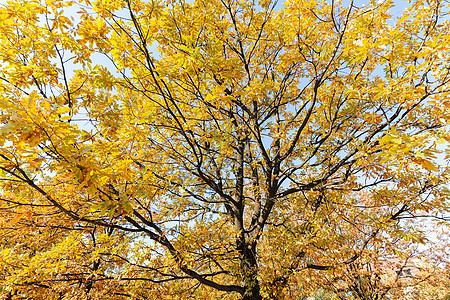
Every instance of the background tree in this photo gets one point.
(218, 149)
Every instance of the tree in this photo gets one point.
(216, 149)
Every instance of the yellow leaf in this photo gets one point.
(426, 164)
(65, 118)
(440, 141)
(17, 218)
(62, 109)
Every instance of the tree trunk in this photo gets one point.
(249, 268)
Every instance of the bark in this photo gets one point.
(249, 267)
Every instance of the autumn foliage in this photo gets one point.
(224, 149)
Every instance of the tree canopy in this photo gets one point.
(223, 149)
